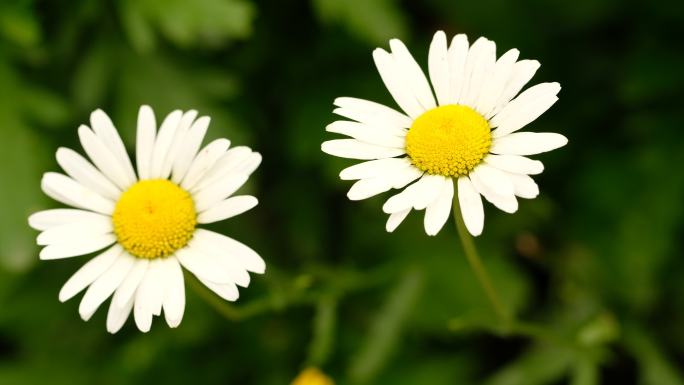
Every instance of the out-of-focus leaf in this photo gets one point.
(585, 373)
(18, 24)
(44, 107)
(323, 332)
(374, 21)
(386, 329)
(541, 365)
(22, 157)
(203, 22)
(601, 330)
(656, 368)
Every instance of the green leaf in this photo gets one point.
(23, 156)
(19, 25)
(323, 332)
(656, 368)
(386, 329)
(541, 365)
(375, 21)
(209, 23)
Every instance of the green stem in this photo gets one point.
(477, 266)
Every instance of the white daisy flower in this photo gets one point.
(465, 140)
(147, 223)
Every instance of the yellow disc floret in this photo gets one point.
(154, 218)
(448, 140)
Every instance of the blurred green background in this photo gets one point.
(595, 261)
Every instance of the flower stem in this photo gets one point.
(478, 268)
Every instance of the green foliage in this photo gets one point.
(592, 268)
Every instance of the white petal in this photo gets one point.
(174, 298)
(478, 68)
(104, 129)
(354, 149)
(86, 174)
(251, 164)
(204, 161)
(417, 195)
(527, 143)
(227, 209)
(515, 164)
(438, 66)
(249, 259)
(68, 191)
(193, 141)
(396, 83)
(105, 285)
(437, 212)
(199, 263)
(44, 220)
(428, 191)
(524, 186)
(228, 291)
(405, 176)
(104, 159)
(412, 74)
(228, 265)
(366, 188)
(178, 143)
(507, 203)
(89, 272)
(470, 202)
(458, 54)
(78, 247)
(233, 160)
(117, 316)
(493, 178)
(374, 168)
(367, 134)
(523, 71)
(149, 296)
(218, 191)
(494, 85)
(146, 136)
(126, 291)
(395, 219)
(162, 145)
(75, 232)
(371, 113)
(525, 108)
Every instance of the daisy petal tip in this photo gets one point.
(33, 221)
(97, 114)
(83, 130)
(45, 254)
(173, 324)
(475, 232)
(63, 296)
(327, 147)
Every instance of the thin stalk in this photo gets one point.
(478, 268)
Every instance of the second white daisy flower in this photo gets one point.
(466, 136)
(148, 222)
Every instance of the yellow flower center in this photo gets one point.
(154, 218)
(312, 376)
(448, 140)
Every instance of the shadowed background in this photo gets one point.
(594, 260)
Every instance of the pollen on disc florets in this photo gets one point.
(448, 140)
(154, 218)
